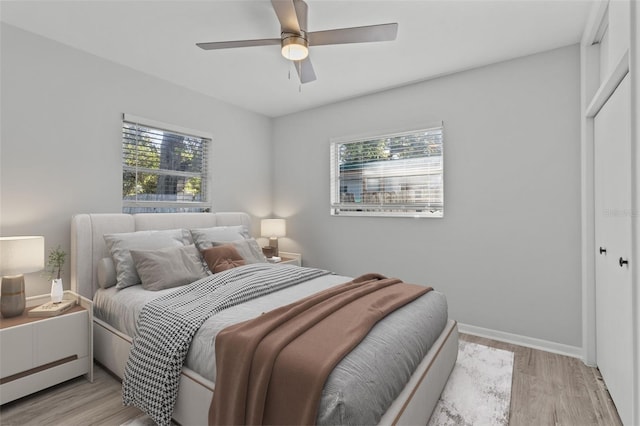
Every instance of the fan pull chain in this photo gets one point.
(299, 70)
(289, 47)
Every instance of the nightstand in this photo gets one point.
(291, 258)
(39, 352)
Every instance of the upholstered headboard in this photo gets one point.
(88, 245)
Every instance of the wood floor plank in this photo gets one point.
(76, 402)
(552, 389)
(547, 389)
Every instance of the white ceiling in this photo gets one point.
(434, 38)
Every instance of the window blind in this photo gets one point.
(398, 174)
(164, 168)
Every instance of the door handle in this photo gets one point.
(623, 262)
(603, 250)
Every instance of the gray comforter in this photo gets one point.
(361, 387)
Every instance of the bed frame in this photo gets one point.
(413, 406)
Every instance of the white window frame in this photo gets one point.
(205, 203)
(400, 206)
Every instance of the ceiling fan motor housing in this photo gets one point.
(295, 47)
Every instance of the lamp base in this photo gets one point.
(12, 297)
(273, 242)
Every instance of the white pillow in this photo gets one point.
(168, 267)
(120, 245)
(204, 237)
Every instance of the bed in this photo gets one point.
(116, 313)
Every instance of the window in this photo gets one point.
(164, 168)
(398, 174)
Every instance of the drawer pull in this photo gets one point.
(603, 250)
(623, 262)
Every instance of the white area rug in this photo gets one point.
(478, 392)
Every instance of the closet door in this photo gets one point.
(614, 322)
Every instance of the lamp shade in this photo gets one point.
(273, 228)
(21, 255)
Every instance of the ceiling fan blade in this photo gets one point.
(305, 70)
(238, 43)
(302, 12)
(287, 15)
(382, 32)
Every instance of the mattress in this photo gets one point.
(363, 384)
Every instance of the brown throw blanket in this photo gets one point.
(272, 369)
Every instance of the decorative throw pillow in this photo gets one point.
(248, 249)
(221, 258)
(168, 267)
(107, 276)
(204, 237)
(119, 246)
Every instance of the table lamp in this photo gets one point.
(273, 229)
(18, 256)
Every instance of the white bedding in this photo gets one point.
(120, 308)
(413, 330)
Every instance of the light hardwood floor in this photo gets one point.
(547, 389)
(550, 389)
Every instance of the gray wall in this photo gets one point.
(507, 252)
(60, 151)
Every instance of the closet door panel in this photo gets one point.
(614, 322)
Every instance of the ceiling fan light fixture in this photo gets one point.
(295, 40)
(294, 47)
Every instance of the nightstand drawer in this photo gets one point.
(66, 336)
(17, 350)
(38, 352)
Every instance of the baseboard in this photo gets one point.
(528, 342)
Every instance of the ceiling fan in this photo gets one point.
(295, 39)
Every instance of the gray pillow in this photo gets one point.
(107, 276)
(168, 267)
(204, 237)
(248, 249)
(120, 245)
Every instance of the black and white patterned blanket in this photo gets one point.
(167, 325)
